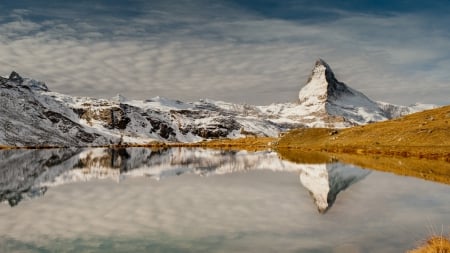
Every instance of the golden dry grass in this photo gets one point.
(248, 143)
(425, 134)
(436, 244)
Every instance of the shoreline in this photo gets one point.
(260, 143)
(266, 143)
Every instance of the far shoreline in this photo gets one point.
(436, 152)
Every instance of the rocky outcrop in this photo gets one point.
(26, 121)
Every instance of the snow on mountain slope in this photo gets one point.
(336, 99)
(26, 121)
(394, 111)
(326, 102)
(31, 114)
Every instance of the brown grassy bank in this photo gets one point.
(424, 135)
(249, 143)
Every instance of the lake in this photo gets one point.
(200, 200)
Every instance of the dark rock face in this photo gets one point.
(166, 131)
(78, 111)
(15, 77)
(220, 127)
(335, 88)
(65, 125)
(3, 81)
(159, 124)
(123, 120)
(113, 117)
(27, 122)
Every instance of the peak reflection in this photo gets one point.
(29, 173)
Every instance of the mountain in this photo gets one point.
(335, 99)
(32, 115)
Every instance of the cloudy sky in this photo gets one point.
(254, 51)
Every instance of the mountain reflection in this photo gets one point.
(29, 173)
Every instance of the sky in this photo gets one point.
(254, 51)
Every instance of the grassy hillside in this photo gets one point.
(423, 134)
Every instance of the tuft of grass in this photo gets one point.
(435, 244)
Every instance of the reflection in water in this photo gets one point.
(29, 173)
(430, 170)
(325, 181)
(19, 170)
(253, 210)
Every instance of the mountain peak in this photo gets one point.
(322, 85)
(326, 94)
(15, 77)
(321, 70)
(321, 62)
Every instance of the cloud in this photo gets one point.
(187, 52)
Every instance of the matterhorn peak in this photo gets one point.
(322, 85)
(325, 94)
(321, 70)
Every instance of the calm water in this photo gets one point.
(194, 200)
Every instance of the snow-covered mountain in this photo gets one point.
(339, 102)
(31, 114)
(30, 173)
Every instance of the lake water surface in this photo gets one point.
(197, 200)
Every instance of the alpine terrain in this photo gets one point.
(33, 115)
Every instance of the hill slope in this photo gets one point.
(428, 129)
